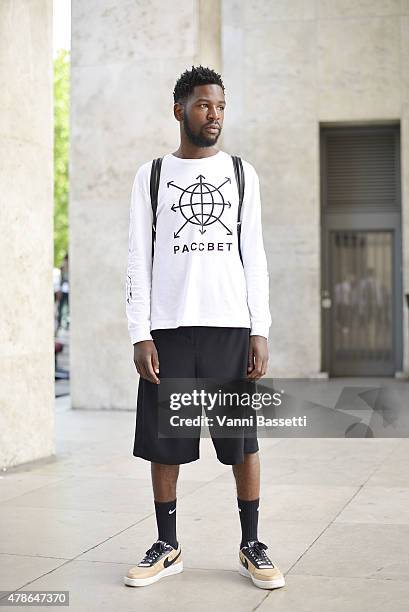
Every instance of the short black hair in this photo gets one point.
(190, 78)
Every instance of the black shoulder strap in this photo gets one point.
(154, 188)
(239, 173)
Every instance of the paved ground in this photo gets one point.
(334, 512)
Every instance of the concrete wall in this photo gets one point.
(26, 230)
(126, 57)
(289, 66)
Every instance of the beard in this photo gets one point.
(200, 139)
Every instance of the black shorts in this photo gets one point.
(191, 352)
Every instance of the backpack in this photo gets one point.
(154, 188)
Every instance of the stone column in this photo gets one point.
(126, 58)
(26, 230)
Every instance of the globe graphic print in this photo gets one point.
(201, 203)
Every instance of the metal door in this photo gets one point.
(361, 301)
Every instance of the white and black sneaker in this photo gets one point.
(159, 561)
(255, 564)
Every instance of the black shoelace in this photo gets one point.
(257, 552)
(155, 551)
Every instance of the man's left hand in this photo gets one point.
(257, 358)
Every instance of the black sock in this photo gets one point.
(248, 511)
(166, 521)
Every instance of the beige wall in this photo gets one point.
(26, 230)
(125, 60)
(289, 66)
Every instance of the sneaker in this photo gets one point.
(255, 564)
(159, 561)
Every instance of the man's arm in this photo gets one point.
(256, 273)
(139, 270)
(139, 280)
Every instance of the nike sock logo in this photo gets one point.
(172, 511)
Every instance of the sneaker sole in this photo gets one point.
(262, 584)
(167, 571)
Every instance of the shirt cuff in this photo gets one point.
(260, 330)
(139, 336)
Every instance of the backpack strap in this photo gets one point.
(239, 173)
(154, 188)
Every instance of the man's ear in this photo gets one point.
(178, 111)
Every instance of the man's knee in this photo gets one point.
(165, 468)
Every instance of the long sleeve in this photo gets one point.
(254, 257)
(139, 269)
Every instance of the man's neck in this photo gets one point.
(192, 152)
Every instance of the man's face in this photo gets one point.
(203, 115)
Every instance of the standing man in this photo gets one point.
(197, 309)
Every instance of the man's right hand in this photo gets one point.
(146, 360)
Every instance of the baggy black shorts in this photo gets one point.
(191, 352)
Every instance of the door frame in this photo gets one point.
(358, 219)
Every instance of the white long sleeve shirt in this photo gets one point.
(196, 277)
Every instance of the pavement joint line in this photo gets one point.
(5, 501)
(129, 526)
(260, 603)
(398, 442)
(86, 561)
(339, 512)
(68, 509)
(37, 578)
(359, 489)
(185, 567)
(32, 556)
(338, 577)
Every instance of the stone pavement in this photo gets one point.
(334, 513)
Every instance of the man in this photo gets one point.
(197, 310)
